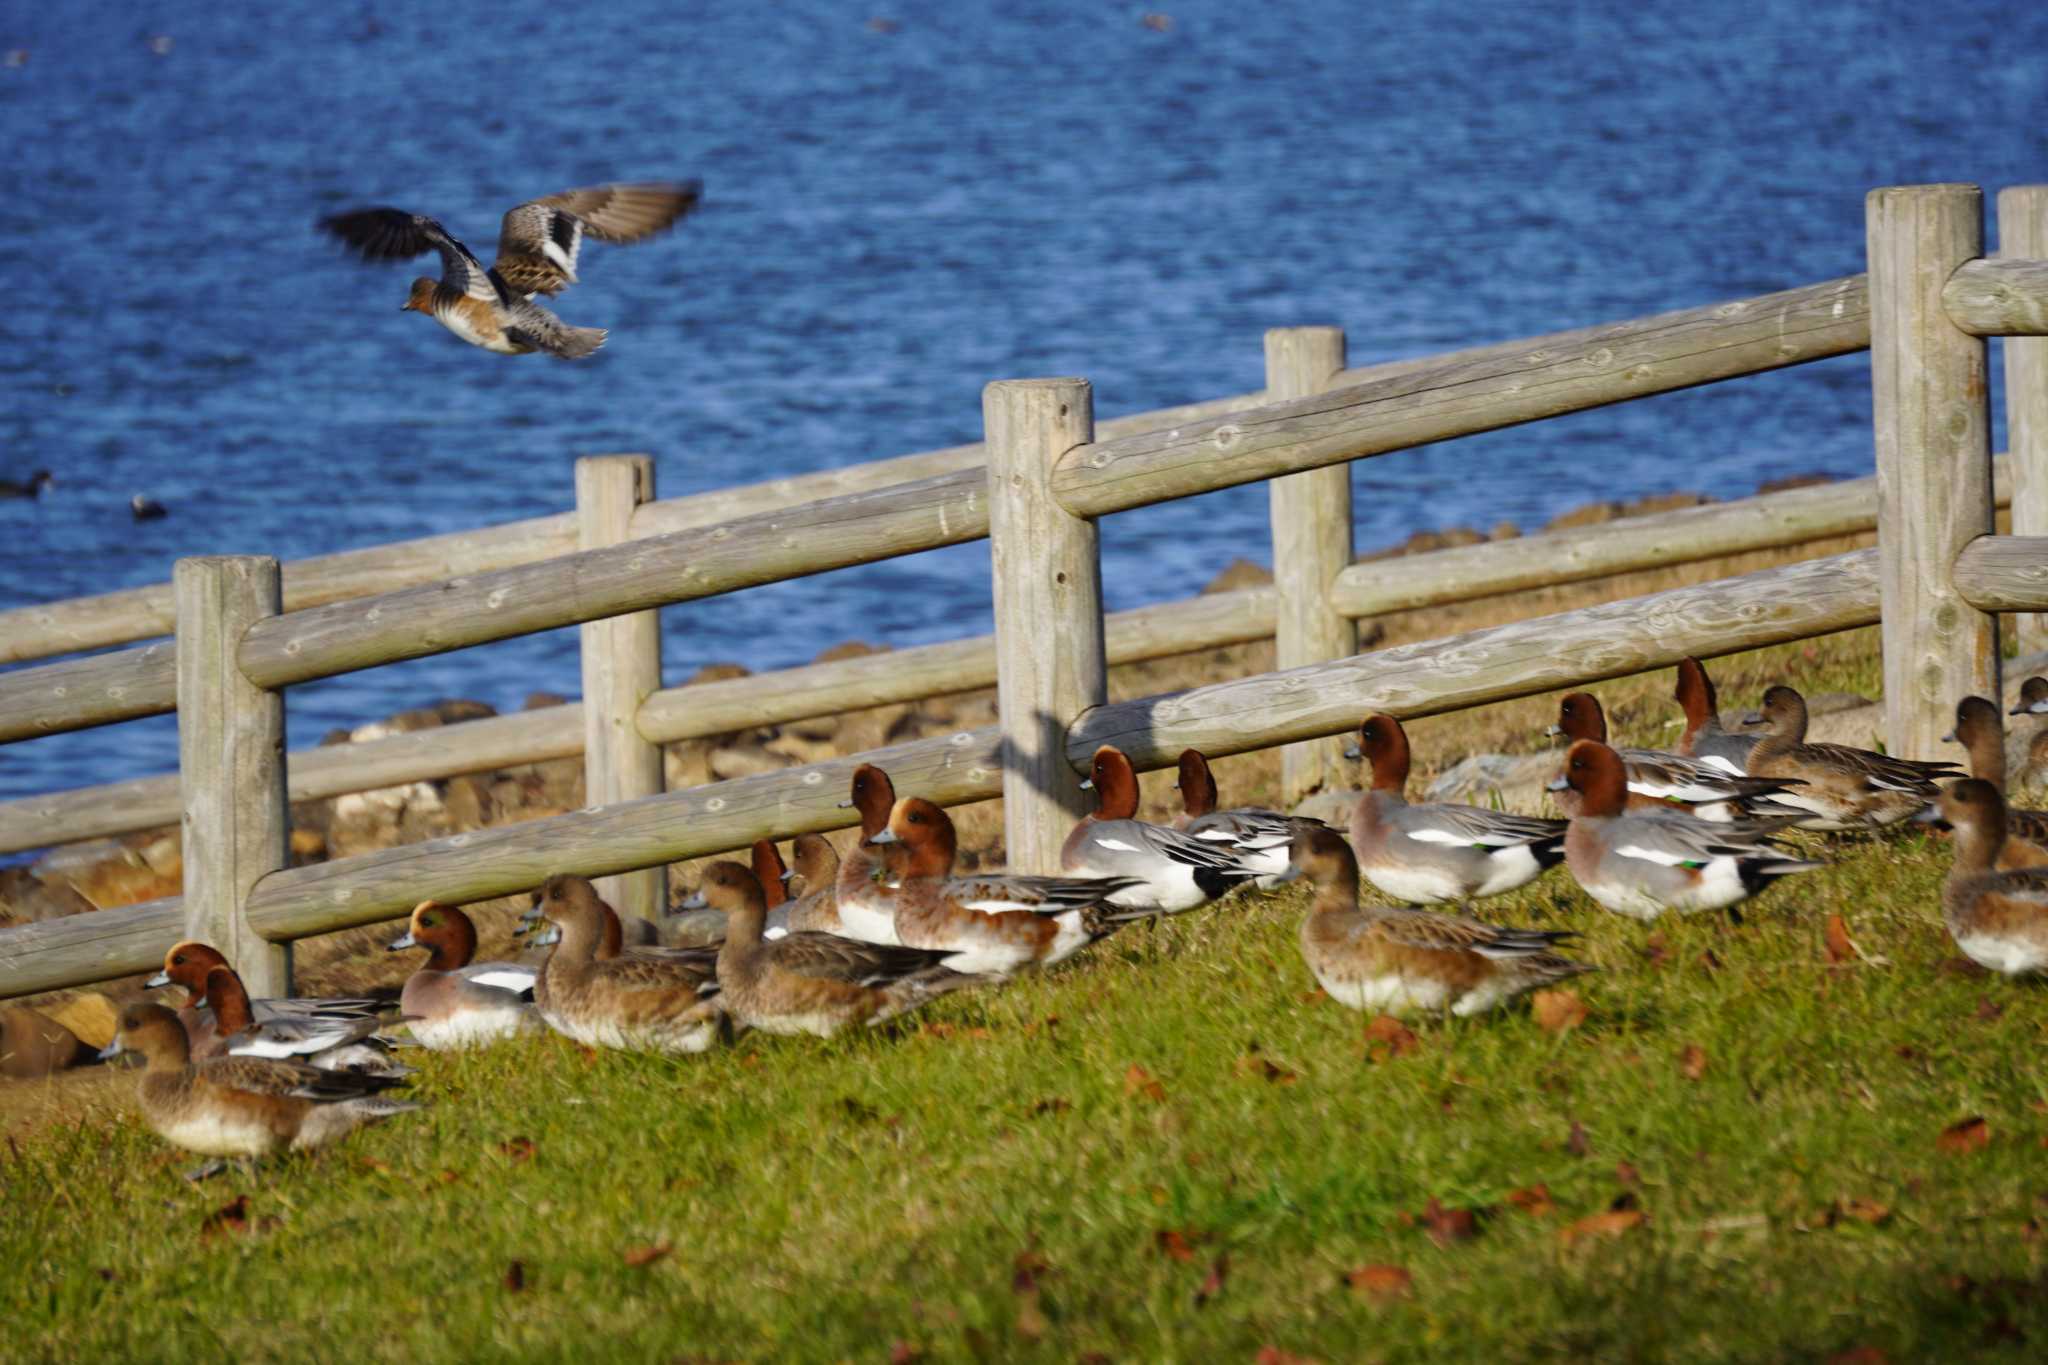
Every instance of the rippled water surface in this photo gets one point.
(893, 218)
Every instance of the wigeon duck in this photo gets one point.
(1260, 837)
(2034, 702)
(1173, 871)
(330, 1044)
(452, 1002)
(1642, 864)
(1845, 788)
(1998, 918)
(31, 487)
(1982, 735)
(538, 244)
(918, 850)
(1704, 739)
(2033, 698)
(143, 508)
(244, 1106)
(1401, 960)
(1431, 853)
(633, 1001)
(865, 912)
(1707, 790)
(812, 880)
(186, 964)
(810, 982)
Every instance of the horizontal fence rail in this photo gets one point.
(1495, 664)
(2004, 573)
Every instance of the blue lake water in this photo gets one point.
(892, 219)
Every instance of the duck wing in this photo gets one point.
(388, 234)
(540, 240)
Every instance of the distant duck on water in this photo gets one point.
(144, 508)
(32, 487)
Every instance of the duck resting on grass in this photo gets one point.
(1998, 918)
(538, 244)
(1845, 788)
(1405, 961)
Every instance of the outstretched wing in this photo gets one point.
(388, 234)
(541, 239)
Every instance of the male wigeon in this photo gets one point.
(636, 1002)
(811, 982)
(1704, 739)
(1431, 853)
(452, 1002)
(865, 912)
(919, 846)
(1982, 735)
(31, 487)
(1402, 960)
(186, 964)
(1172, 871)
(538, 244)
(244, 1106)
(1642, 864)
(1261, 837)
(1708, 790)
(1846, 788)
(330, 1044)
(1998, 918)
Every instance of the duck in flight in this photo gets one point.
(537, 250)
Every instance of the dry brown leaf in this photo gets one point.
(515, 1277)
(1709, 960)
(1693, 1061)
(1139, 1081)
(1173, 1242)
(1626, 1173)
(1862, 1210)
(903, 1353)
(516, 1149)
(231, 1218)
(1557, 1011)
(1212, 1283)
(1860, 1355)
(1534, 1201)
(1253, 1065)
(1656, 951)
(649, 1254)
(1382, 1283)
(1273, 1355)
(1031, 1320)
(1387, 1037)
(1577, 1144)
(1612, 1223)
(1970, 1135)
(1051, 1104)
(1989, 1011)
(1448, 1225)
(1840, 947)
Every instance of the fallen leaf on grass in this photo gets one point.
(1841, 948)
(1612, 1223)
(1989, 1011)
(1449, 1225)
(589, 1054)
(1212, 1283)
(1577, 1144)
(1387, 1037)
(1709, 960)
(370, 1163)
(1961, 966)
(515, 1276)
(1860, 1355)
(1655, 950)
(1051, 1104)
(1382, 1283)
(1860, 1211)
(449, 1177)
(903, 1353)
(1173, 1242)
(1273, 1355)
(1557, 1011)
(229, 1219)
(647, 1255)
(1264, 1069)
(1970, 1135)
(1139, 1081)
(1626, 1173)
(1534, 1201)
(1026, 1268)
(516, 1150)
(1693, 1061)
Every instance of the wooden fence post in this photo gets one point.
(237, 821)
(1047, 573)
(2023, 235)
(621, 669)
(1311, 514)
(1933, 424)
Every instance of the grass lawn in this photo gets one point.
(1173, 1149)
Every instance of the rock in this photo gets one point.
(26, 898)
(750, 760)
(694, 929)
(848, 649)
(106, 872)
(1239, 573)
(308, 845)
(91, 1016)
(1591, 514)
(536, 701)
(1459, 535)
(1664, 502)
(1792, 481)
(1504, 530)
(1514, 782)
(33, 1046)
(1333, 808)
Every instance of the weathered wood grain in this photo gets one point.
(2003, 573)
(1046, 569)
(1495, 664)
(1932, 416)
(2023, 233)
(76, 694)
(2001, 296)
(1480, 391)
(231, 762)
(1310, 514)
(78, 950)
(621, 657)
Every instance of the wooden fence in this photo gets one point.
(246, 627)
